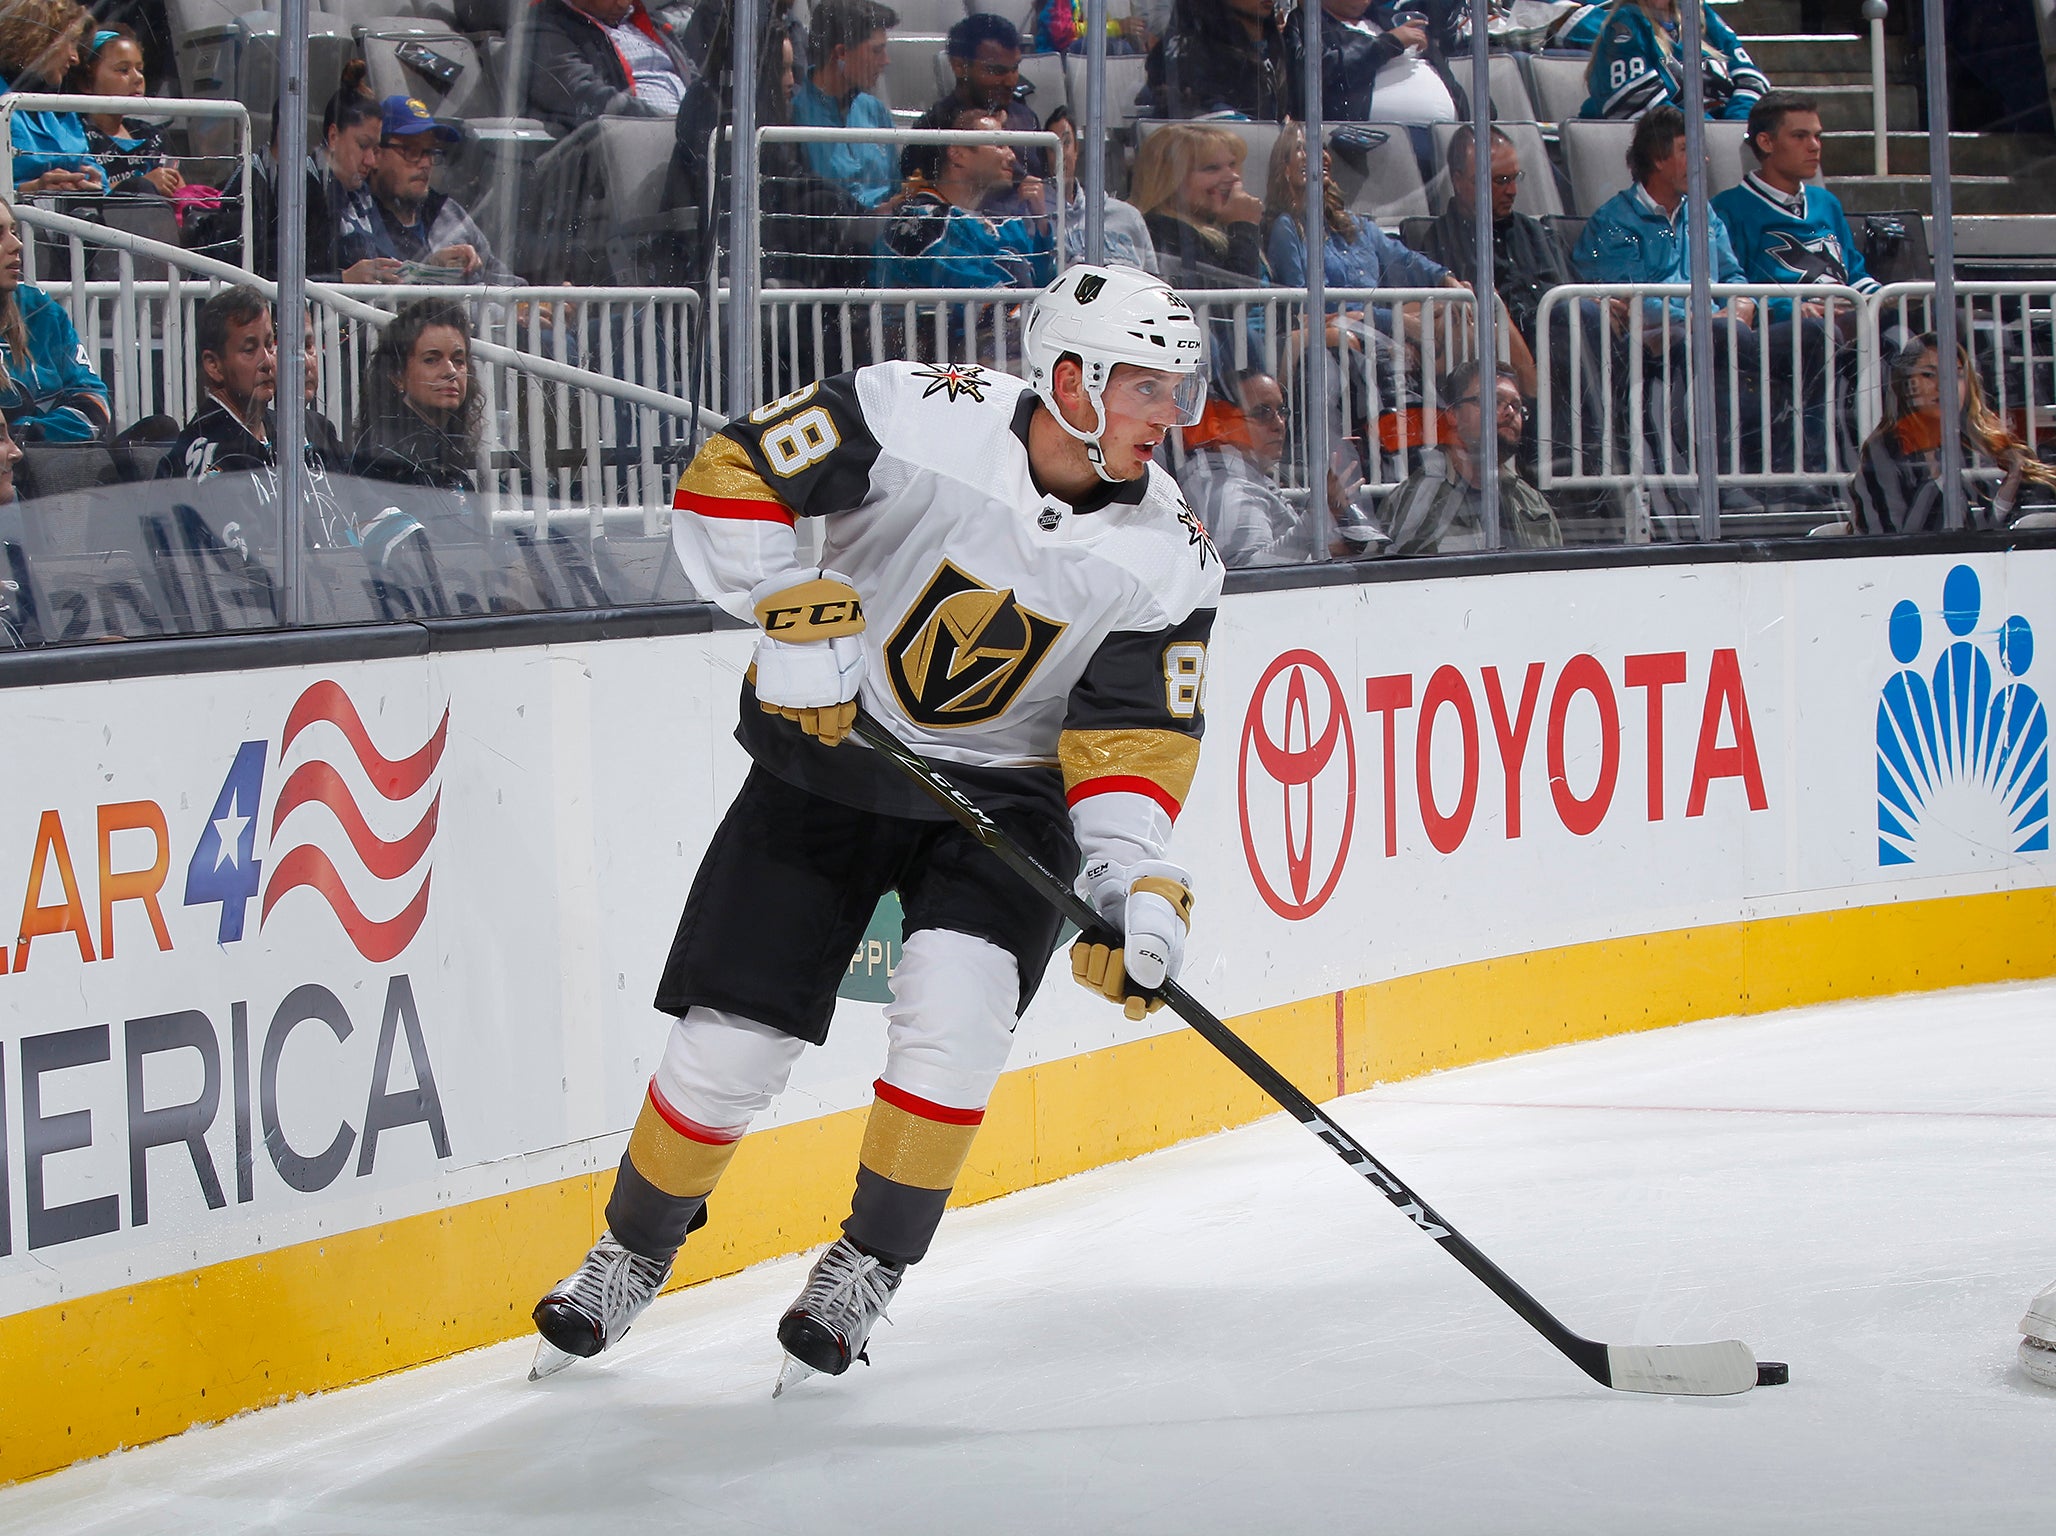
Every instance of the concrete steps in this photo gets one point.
(1849, 153)
(1984, 195)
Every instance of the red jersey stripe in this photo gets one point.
(1124, 784)
(733, 507)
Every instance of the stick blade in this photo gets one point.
(1682, 1370)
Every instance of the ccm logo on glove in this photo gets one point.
(816, 610)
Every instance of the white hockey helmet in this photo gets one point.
(1105, 316)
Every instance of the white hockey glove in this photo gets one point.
(1150, 905)
(810, 659)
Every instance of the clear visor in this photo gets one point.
(1157, 395)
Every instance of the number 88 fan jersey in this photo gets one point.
(1041, 647)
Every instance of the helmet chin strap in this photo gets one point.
(1094, 454)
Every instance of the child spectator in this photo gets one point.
(130, 152)
(423, 405)
(48, 389)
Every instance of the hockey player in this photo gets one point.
(1011, 586)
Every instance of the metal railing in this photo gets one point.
(157, 106)
(1795, 384)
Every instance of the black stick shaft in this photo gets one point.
(1588, 1355)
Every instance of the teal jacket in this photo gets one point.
(1629, 240)
(54, 394)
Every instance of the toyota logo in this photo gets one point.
(1298, 793)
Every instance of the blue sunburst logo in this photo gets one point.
(1963, 748)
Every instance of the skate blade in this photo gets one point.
(549, 1360)
(791, 1374)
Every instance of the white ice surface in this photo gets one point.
(1238, 1336)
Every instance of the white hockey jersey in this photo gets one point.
(1008, 633)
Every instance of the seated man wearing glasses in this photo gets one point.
(406, 220)
(1439, 508)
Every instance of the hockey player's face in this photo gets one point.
(1794, 149)
(1142, 405)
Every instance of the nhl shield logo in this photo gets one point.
(964, 652)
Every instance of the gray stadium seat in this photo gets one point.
(1538, 195)
(1557, 86)
(935, 16)
(473, 94)
(1595, 155)
(1511, 100)
(597, 202)
(1390, 187)
(1125, 77)
(908, 83)
(1047, 73)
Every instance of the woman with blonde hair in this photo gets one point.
(1898, 482)
(1188, 185)
(39, 46)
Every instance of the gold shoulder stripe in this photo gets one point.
(722, 471)
(1168, 759)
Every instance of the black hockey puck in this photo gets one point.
(1772, 1373)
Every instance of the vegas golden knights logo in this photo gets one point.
(964, 652)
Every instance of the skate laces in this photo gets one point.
(849, 1288)
(613, 1284)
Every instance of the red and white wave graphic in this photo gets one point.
(377, 869)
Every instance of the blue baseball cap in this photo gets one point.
(405, 117)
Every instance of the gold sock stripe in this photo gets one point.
(908, 1149)
(676, 1163)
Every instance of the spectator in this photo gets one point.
(10, 460)
(1127, 236)
(405, 219)
(237, 348)
(48, 389)
(129, 152)
(1378, 61)
(1898, 482)
(1230, 479)
(1439, 508)
(602, 58)
(1642, 235)
(1782, 229)
(846, 40)
(423, 409)
(1785, 231)
(1203, 222)
(1220, 58)
(985, 54)
(1636, 64)
(1058, 26)
(39, 47)
(1527, 261)
(350, 131)
(944, 236)
(1355, 253)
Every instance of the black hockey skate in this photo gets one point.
(825, 1330)
(594, 1305)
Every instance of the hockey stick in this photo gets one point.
(1698, 1370)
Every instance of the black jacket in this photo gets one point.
(575, 73)
(1206, 64)
(1350, 61)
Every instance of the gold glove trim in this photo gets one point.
(1168, 759)
(1102, 968)
(814, 610)
(1177, 895)
(827, 724)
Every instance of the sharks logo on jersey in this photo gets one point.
(964, 651)
(1808, 261)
